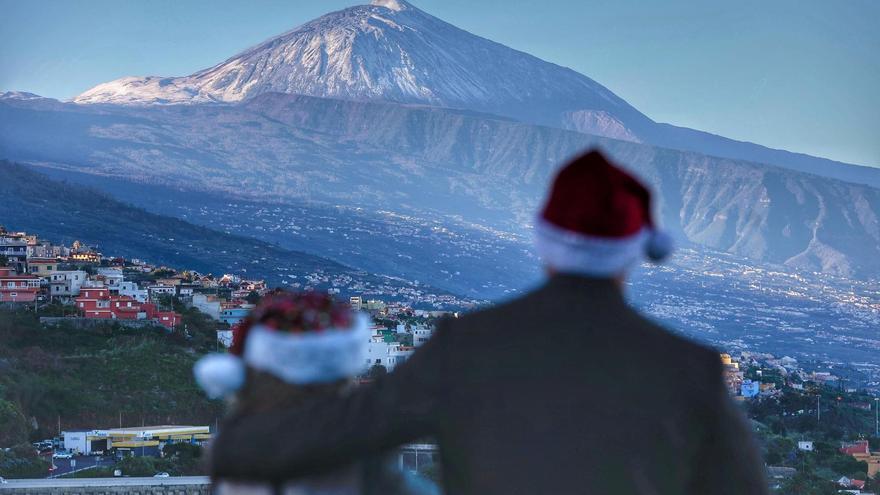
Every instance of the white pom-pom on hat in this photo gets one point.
(219, 375)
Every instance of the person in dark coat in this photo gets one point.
(564, 390)
(294, 348)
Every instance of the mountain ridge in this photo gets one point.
(404, 55)
(432, 162)
(65, 212)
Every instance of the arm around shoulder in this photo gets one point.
(399, 407)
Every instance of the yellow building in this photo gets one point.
(146, 440)
(42, 267)
(861, 451)
(873, 461)
(86, 257)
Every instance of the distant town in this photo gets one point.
(783, 397)
(132, 292)
(94, 289)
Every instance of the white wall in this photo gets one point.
(210, 308)
(75, 441)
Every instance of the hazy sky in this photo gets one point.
(801, 75)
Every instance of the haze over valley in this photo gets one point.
(387, 141)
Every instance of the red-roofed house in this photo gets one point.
(98, 302)
(17, 288)
(168, 319)
(856, 448)
(94, 302)
(126, 308)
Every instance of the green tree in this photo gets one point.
(778, 449)
(184, 459)
(22, 461)
(805, 483)
(848, 466)
(13, 424)
(137, 466)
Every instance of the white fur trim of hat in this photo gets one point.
(296, 358)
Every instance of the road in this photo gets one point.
(82, 461)
(102, 482)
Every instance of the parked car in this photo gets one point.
(162, 475)
(62, 455)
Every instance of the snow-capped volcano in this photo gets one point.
(393, 52)
(390, 50)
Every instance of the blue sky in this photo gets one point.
(801, 75)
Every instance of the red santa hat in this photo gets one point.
(598, 220)
(299, 338)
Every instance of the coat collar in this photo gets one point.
(595, 287)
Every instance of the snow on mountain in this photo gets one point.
(19, 95)
(430, 162)
(392, 51)
(145, 90)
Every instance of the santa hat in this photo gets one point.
(598, 220)
(299, 338)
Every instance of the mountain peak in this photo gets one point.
(19, 95)
(390, 50)
(395, 5)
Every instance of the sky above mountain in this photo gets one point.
(795, 75)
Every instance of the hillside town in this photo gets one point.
(94, 289)
(132, 292)
(816, 429)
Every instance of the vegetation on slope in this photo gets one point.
(61, 377)
(64, 212)
(789, 417)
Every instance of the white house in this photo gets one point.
(209, 305)
(421, 334)
(387, 354)
(112, 276)
(67, 283)
(805, 445)
(158, 290)
(185, 290)
(131, 289)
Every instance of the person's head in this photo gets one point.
(299, 339)
(597, 222)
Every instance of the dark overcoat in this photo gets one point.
(565, 390)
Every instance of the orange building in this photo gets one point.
(861, 451)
